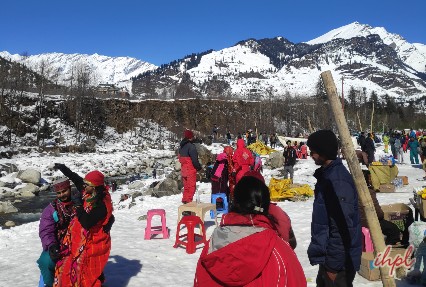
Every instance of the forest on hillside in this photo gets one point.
(27, 107)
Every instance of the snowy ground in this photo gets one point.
(138, 262)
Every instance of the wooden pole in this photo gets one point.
(371, 123)
(357, 175)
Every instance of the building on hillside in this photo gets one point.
(112, 90)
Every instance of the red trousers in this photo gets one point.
(189, 184)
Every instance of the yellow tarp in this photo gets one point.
(284, 189)
(260, 148)
(382, 174)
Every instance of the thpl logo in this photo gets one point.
(385, 260)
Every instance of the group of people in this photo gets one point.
(254, 243)
(75, 231)
(253, 246)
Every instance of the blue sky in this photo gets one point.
(159, 31)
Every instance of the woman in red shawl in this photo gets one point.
(242, 159)
(87, 241)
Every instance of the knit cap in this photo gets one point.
(61, 184)
(95, 178)
(323, 142)
(188, 134)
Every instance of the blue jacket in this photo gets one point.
(335, 228)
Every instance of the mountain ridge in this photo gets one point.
(364, 56)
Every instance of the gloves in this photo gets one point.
(107, 227)
(54, 252)
(76, 197)
(57, 166)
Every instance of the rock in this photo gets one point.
(276, 160)
(165, 188)
(8, 167)
(2, 183)
(142, 217)
(7, 207)
(178, 166)
(9, 223)
(137, 184)
(29, 175)
(6, 192)
(29, 190)
(204, 155)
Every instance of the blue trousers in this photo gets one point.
(47, 268)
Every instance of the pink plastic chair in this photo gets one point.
(161, 229)
(367, 245)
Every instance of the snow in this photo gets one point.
(413, 55)
(138, 262)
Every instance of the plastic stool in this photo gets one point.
(223, 210)
(190, 222)
(367, 243)
(161, 229)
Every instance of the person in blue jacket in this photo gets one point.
(336, 228)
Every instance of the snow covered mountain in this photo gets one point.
(365, 57)
(113, 70)
(413, 55)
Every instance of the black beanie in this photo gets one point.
(324, 142)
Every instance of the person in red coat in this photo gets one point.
(188, 158)
(242, 160)
(245, 249)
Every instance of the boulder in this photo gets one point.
(137, 184)
(178, 166)
(165, 188)
(9, 223)
(276, 160)
(29, 190)
(204, 155)
(7, 207)
(29, 175)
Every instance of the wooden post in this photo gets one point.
(357, 175)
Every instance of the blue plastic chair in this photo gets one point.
(223, 210)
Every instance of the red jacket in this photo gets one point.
(242, 159)
(246, 251)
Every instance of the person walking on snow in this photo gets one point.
(242, 160)
(188, 158)
(290, 157)
(413, 144)
(336, 228)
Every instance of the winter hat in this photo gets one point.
(255, 174)
(61, 184)
(188, 134)
(96, 178)
(324, 142)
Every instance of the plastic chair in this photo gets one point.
(161, 229)
(367, 245)
(190, 243)
(214, 199)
